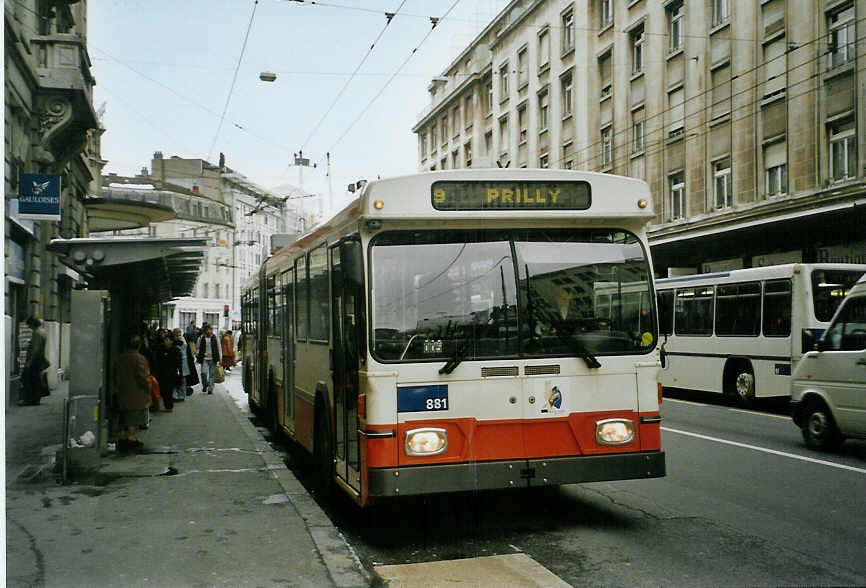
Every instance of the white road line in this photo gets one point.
(766, 414)
(765, 450)
(666, 399)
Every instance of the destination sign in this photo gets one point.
(511, 195)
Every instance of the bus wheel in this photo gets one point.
(819, 430)
(324, 462)
(744, 386)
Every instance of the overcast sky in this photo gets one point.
(164, 70)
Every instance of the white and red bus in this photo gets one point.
(446, 332)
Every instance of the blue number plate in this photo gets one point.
(422, 398)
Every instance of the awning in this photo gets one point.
(154, 268)
(116, 214)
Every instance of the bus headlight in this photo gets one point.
(614, 432)
(426, 442)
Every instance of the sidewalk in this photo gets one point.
(208, 503)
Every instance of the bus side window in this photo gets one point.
(777, 308)
(666, 312)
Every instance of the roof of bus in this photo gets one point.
(409, 197)
(771, 271)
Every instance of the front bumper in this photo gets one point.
(523, 473)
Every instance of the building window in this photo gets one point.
(721, 80)
(543, 110)
(206, 291)
(604, 74)
(522, 124)
(840, 45)
(675, 26)
(489, 106)
(443, 163)
(216, 290)
(423, 145)
(605, 13)
(455, 122)
(843, 151)
(467, 154)
(637, 41)
(468, 115)
(775, 164)
(675, 112)
(721, 11)
(567, 154)
(455, 160)
(433, 138)
(677, 188)
(567, 85)
(444, 130)
(569, 164)
(568, 31)
(522, 67)
(544, 161)
(503, 82)
(504, 139)
(774, 67)
(606, 147)
(637, 132)
(488, 143)
(543, 50)
(722, 183)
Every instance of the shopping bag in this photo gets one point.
(154, 393)
(220, 374)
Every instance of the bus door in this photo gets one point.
(251, 341)
(287, 349)
(346, 308)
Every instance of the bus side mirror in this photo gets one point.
(352, 263)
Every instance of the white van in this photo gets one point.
(828, 394)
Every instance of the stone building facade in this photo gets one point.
(746, 118)
(50, 127)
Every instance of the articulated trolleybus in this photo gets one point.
(464, 330)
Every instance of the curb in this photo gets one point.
(343, 565)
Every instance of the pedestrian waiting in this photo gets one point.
(132, 392)
(208, 355)
(167, 360)
(190, 375)
(228, 351)
(34, 364)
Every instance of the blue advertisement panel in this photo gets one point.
(39, 197)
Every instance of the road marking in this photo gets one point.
(666, 399)
(765, 450)
(755, 412)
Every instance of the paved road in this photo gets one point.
(744, 502)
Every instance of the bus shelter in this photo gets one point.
(123, 278)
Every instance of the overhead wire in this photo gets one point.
(389, 16)
(435, 21)
(740, 74)
(234, 79)
(745, 90)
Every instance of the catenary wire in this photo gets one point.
(351, 77)
(391, 79)
(234, 79)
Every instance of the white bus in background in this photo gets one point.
(741, 332)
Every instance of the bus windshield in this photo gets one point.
(451, 294)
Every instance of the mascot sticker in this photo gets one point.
(553, 398)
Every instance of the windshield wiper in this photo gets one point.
(459, 355)
(581, 351)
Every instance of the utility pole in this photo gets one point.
(330, 191)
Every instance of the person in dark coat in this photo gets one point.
(168, 370)
(132, 387)
(34, 364)
(187, 366)
(208, 355)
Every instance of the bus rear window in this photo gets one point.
(829, 288)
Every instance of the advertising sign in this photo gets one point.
(39, 197)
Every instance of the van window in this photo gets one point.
(848, 333)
